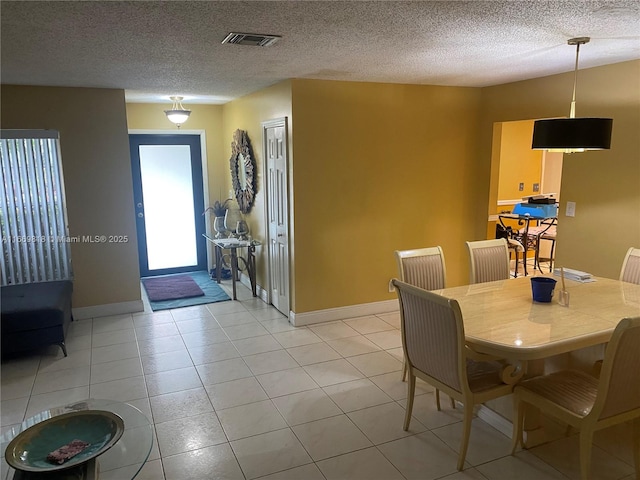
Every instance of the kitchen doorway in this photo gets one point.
(518, 172)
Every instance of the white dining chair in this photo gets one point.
(433, 341)
(488, 260)
(423, 268)
(588, 403)
(630, 271)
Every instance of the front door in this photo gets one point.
(275, 144)
(169, 201)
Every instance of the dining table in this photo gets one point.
(501, 318)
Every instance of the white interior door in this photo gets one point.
(275, 144)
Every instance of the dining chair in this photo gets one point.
(423, 268)
(514, 245)
(585, 402)
(488, 260)
(434, 346)
(545, 230)
(630, 271)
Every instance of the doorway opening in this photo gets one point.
(517, 173)
(169, 201)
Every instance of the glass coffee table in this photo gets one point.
(122, 461)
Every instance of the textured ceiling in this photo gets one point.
(157, 49)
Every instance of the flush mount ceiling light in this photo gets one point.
(178, 114)
(569, 135)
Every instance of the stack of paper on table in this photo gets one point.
(229, 241)
(575, 275)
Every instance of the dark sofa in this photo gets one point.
(35, 315)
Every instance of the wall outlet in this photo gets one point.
(536, 187)
(391, 287)
(571, 209)
(521, 187)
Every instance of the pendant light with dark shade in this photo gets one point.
(569, 135)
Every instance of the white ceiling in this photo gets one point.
(156, 49)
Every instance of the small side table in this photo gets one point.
(125, 459)
(233, 244)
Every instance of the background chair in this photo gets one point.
(546, 230)
(630, 271)
(423, 268)
(514, 246)
(488, 260)
(584, 402)
(434, 346)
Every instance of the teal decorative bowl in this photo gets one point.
(28, 450)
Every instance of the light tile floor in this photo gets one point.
(236, 392)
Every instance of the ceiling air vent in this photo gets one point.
(253, 39)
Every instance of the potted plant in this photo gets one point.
(219, 210)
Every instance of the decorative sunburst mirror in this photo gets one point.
(243, 171)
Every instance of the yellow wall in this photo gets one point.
(378, 168)
(248, 113)
(97, 175)
(518, 162)
(604, 184)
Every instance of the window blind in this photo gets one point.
(33, 218)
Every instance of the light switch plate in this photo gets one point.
(571, 209)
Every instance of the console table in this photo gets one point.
(233, 244)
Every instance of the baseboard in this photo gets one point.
(94, 311)
(330, 314)
(260, 292)
(496, 420)
(341, 313)
(532, 438)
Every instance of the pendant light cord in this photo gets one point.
(572, 114)
(577, 42)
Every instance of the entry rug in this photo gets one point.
(211, 292)
(171, 287)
